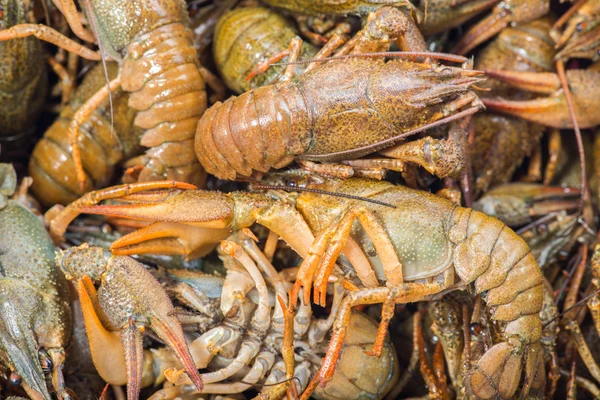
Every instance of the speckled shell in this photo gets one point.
(333, 7)
(34, 295)
(120, 296)
(245, 37)
(160, 67)
(119, 23)
(421, 242)
(342, 106)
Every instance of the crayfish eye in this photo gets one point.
(46, 362)
(580, 27)
(15, 379)
(475, 329)
(290, 183)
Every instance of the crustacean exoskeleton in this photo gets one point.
(158, 65)
(254, 337)
(369, 103)
(235, 58)
(35, 316)
(517, 204)
(552, 110)
(342, 7)
(247, 36)
(501, 142)
(128, 300)
(580, 36)
(419, 243)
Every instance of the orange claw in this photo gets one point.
(170, 238)
(130, 299)
(553, 110)
(60, 220)
(186, 222)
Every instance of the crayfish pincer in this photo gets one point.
(128, 299)
(35, 316)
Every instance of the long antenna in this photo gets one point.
(319, 191)
(578, 304)
(101, 48)
(389, 54)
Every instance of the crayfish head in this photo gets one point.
(76, 262)
(578, 30)
(584, 45)
(19, 307)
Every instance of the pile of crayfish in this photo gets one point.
(329, 199)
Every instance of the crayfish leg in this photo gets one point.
(404, 293)
(49, 35)
(81, 115)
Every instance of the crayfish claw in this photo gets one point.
(128, 297)
(17, 335)
(168, 329)
(170, 238)
(109, 364)
(131, 339)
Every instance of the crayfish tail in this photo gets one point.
(497, 373)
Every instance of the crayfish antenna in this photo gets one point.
(585, 194)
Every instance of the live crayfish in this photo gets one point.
(35, 317)
(273, 125)
(154, 47)
(116, 315)
(247, 330)
(501, 142)
(243, 135)
(455, 247)
(232, 347)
